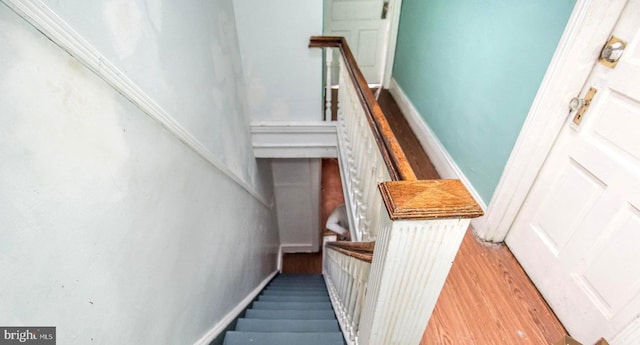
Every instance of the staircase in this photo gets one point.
(292, 309)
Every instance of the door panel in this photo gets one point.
(359, 21)
(578, 232)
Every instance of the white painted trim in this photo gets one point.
(335, 304)
(219, 327)
(589, 26)
(392, 41)
(315, 184)
(279, 263)
(411, 261)
(630, 335)
(62, 34)
(298, 248)
(294, 139)
(442, 161)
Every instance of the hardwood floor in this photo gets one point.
(302, 263)
(488, 299)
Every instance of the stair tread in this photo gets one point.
(292, 309)
(301, 282)
(289, 298)
(287, 325)
(293, 293)
(291, 305)
(290, 314)
(295, 287)
(279, 338)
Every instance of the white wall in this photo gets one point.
(297, 189)
(185, 55)
(284, 76)
(111, 228)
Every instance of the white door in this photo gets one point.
(578, 233)
(361, 22)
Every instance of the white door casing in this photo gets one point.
(361, 23)
(578, 230)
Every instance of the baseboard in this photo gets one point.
(442, 161)
(219, 327)
(38, 14)
(299, 248)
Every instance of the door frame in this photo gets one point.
(389, 50)
(395, 7)
(588, 28)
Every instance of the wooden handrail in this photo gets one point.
(405, 197)
(394, 158)
(359, 250)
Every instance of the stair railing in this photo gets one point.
(417, 225)
(346, 267)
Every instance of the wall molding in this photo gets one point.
(438, 154)
(298, 248)
(278, 139)
(45, 20)
(219, 327)
(588, 27)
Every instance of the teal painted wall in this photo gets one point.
(472, 69)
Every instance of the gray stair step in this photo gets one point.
(320, 283)
(284, 325)
(289, 298)
(294, 281)
(295, 287)
(291, 305)
(293, 293)
(290, 314)
(282, 338)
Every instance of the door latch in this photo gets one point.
(581, 105)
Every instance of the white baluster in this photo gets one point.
(328, 106)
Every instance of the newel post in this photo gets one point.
(415, 248)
